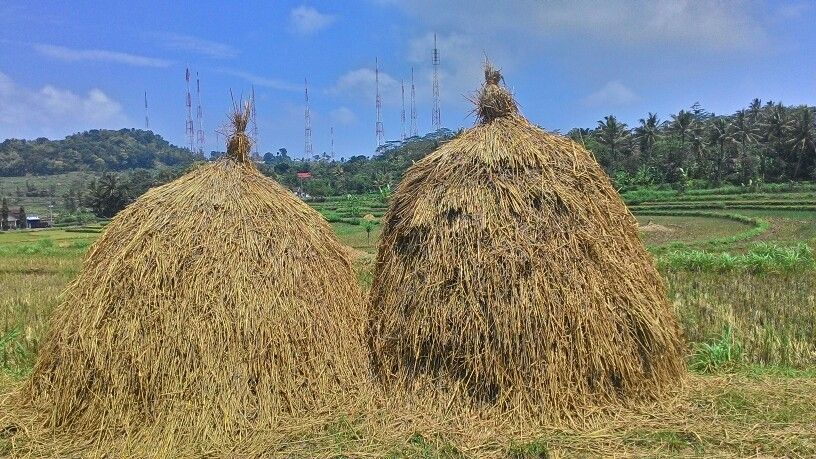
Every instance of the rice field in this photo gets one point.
(751, 342)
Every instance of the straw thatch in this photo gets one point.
(511, 276)
(213, 306)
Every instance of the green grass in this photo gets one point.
(759, 258)
(747, 311)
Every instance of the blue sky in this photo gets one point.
(71, 66)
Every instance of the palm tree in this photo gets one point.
(718, 135)
(744, 133)
(774, 129)
(611, 134)
(647, 133)
(754, 110)
(680, 124)
(579, 134)
(803, 137)
(698, 149)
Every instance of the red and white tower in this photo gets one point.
(256, 155)
(199, 118)
(379, 126)
(414, 130)
(308, 150)
(436, 115)
(402, 112)
(147, 118)
(189, 128)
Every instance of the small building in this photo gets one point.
(11, 222)
(34, 221)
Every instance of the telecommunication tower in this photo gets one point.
(199, 118)
(147, 118)
(414, 130)
(402, 112)
(436, 115)
(255, 125)
(190, 129)
(379, 126)
(308, 149)
(331, 133)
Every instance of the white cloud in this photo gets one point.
(98, 55)
(707, 26)
(612, 94)
(259, 80)
(179, 42)
(52, 112)
(361, 84)
(306, 20)
(343, 116)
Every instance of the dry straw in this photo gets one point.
(511, 276)
(213, 307)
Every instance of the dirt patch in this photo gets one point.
(357, 254)
(655, 228)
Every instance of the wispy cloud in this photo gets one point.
(707, 26)
(612, 94)
(187, 43)
(52, 111)
(99, 55)
(259, 80)
(360, 83)
(306, 20)
(343, 116)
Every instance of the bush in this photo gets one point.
(722, 354)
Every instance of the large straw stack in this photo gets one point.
(511, 275)
(212, 307)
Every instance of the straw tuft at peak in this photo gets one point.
(494, 101)
(239, 144)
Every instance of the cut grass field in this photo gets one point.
(751, 351)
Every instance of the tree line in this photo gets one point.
(694, 148)
(96, 150)
(768, 142)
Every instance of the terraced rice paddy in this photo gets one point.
(751, 335)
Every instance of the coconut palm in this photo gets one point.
(647, 133)
(774, 128)
(612, 134)
(697, 136)
(755, 110)
(579, 134)
(719, 137)
(743, 133)
(803, 138)
(681, 124)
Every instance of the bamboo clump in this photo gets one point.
(212, 307)
(511, 277)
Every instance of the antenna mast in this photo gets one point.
(307, 150)
(190, 129)
(436, 116)
(331, 133)
(402, 113)
(379, 125)
(255, 123)
(147, 118)
(414, 131)
(199, 117)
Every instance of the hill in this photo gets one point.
(95, 151)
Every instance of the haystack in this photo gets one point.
(212, 306)
(510, 275)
